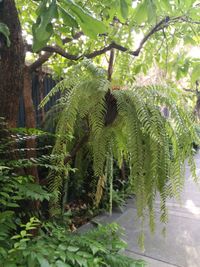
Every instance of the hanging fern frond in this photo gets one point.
(100, 188)
(130, 125)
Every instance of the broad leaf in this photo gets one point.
(151, 8)
(68, 19)
(195, 73)
(141, 13)
(42, 261)
(43, 29)
(124, 8)
(60, 263)
(90, 26)
(165, 5)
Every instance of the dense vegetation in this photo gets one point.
(106, 137)
(27, 241)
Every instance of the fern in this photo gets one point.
(99, 247)
(16, 190)
(100, 188)
(129, 124)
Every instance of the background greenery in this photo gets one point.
(119, 63)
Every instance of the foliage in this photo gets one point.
(53, 245)
(120, 125)
(128, 124)
(6, 32)
(57, 247)
(126, 23)
(14, 191)
(70, 13)
(197, 129)
(17, 190)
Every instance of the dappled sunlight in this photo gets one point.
(193, 252)
(191, 207)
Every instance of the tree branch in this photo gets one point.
(189, 20)
(189, 90)
(75, 37)
(160, 25)
(41, 60)
(59, 50)
(62, 52)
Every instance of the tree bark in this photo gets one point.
(41, 93)
(30, 121)
(11, 64)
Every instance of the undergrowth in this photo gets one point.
(36, 241)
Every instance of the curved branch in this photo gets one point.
(59, 50)
(163, 23)
(42, 59)
(189, 90)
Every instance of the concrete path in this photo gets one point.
(181, 245)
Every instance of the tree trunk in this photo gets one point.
(41, 93)
(30, 121)
(11, 64)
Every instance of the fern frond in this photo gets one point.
(154, 147)
(100, 188)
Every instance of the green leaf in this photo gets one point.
(124, 8)
(3, 168)
(12, 205)
(72, 249)
(90, 26)
(60, 263)
(6, 32)
(194, 14)
(68, 19)
(33, 191)
(41, 8)
(31, 260)
(42, 261)
(151, 11)
(141, 13)
(9, 264)
(195, 73)
(166, 5)
(81, 261)
(62, 255)
(84, 254)
(43, 28)
(187, 4)
(189, 40)
(58, 39)
(23, 233)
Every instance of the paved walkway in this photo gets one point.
(181, 246)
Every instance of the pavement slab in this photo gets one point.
(180, 247)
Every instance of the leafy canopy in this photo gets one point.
(163, 31)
